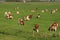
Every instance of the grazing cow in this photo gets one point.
(53, 11)
(53, 27)
(21, 21)
(36, 27)
(26, 18)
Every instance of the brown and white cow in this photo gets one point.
(53, 27)
(36, 27)
(20, 21)
(26, 18)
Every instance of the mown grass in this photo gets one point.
(10, 30)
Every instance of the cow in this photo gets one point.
(53, 27)
(36, 26)
(38, 16)
(21, 21)
(26, 18)
(53, 11)
(10, 15)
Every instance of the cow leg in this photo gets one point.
(49, 29)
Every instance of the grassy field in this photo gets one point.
(10, 30)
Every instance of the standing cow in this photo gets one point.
(21, 21)
(36, 27)
(26, 18)
(53, 27)
(38, 15)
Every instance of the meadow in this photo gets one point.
(11, 30)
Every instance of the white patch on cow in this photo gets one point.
(11, 17)
(5, 13)
(27, 18)
(38, 16)
(32, 10)
(37, 30)
(9, 12)
(17, 12)
(53, 11)
(42, 11)
(21, 19)
(56, 9)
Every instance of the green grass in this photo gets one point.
(10, 30)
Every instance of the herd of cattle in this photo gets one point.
(53, 27)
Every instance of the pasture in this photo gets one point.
(11, 30)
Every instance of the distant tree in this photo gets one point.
(11, 0)
(52, 0)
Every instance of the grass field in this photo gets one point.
(10, 30)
